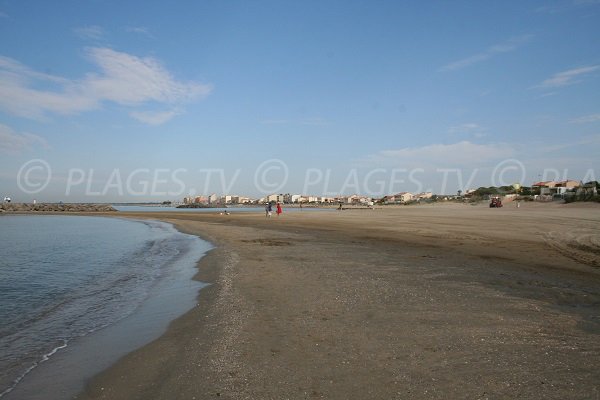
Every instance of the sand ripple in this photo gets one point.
(581, 245)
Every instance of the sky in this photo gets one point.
(151, 101)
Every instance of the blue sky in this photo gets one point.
(147, 100)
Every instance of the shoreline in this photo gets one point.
(168, 297)
(448, 301)
(439, 304)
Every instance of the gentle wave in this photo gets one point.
(44, 358)
(68, 287)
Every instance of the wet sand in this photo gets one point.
(451, 301)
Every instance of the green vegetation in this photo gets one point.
(582, 197)
(483, 191)
(588, 192)
(503, 190)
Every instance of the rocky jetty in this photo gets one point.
(194, 205)
(55, 207)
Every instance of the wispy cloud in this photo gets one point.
(505, 47)
(586, 119)
(587, 141)
(275, 121)
(568, 77)
(463, 153)
(154, 118)
(541, 96)
(121, 78)
(469, 129)
(316, 121)
(18, 97)
(9, 66)
(130, 80)
(139, 30)
(93, 32)
(564, 6)
(13, 142)
(472, 165)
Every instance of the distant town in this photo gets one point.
(566, 190)
(541, 191)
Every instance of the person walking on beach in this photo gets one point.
(279, 210)
(266, 209)
(269, 209)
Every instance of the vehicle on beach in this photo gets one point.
(495, 202)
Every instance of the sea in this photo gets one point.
(77, 293)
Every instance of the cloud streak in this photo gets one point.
(508, 46)
(130, 80)
(470, 129)
(569, 77)
(587, 141)
(586, 119)
(154, 118)
(139, 30)
(93, 32)
(120, 78)
(316, 121)
(566, 6)
(13, 142)
(459, 154)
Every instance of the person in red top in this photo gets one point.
(279, 210)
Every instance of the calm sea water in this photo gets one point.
(71, 287)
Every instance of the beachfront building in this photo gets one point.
(356, 199)
(188, 200)
(551, 188)
(404, 197)
(565, 186)
(297, 198)
(213, 199)
(399, 198)
(277, 198)
(423, 196)
(351, 199)
(240, 200)
(362, 200)
(201, 200)
(326, 200)
(469, 193)
(589, 189)
(543, 187)
(226, 199)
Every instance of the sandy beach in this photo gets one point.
(432, 302)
